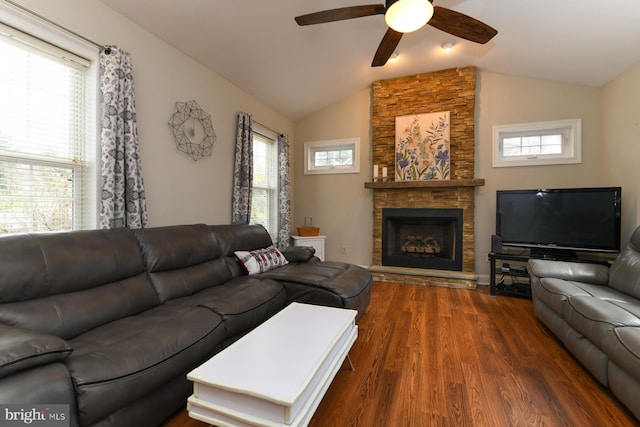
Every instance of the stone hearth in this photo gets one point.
(449, 90)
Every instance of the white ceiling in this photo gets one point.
(257, 45)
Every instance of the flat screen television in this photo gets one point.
(557, 223)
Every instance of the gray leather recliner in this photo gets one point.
(595, 311)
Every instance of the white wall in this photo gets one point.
(620, 151)
(504, 100)
(339, 204)
(346, 210)
(178, 190)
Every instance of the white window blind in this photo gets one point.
(264, 209)
(43, 118)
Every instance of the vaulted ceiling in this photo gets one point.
(257, 45)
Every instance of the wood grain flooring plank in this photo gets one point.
(435, 356)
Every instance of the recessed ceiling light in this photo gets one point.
(447, 46)
(394, 57)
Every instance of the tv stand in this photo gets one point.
(554, 254)
(511, 277)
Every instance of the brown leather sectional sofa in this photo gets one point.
(110, 321)
(595, 311)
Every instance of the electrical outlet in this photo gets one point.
(488, 258)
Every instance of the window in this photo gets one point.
(264, 201)
(47, 136)
(336, 156)
(545, 143)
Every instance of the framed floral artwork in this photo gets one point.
(422, 147)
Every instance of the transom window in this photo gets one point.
(543, 143)
(335, 156)
(532, 145)
(329, 157)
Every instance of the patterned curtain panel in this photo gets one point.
(123, 201)
(243, 171)
(284, 193)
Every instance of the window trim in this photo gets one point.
(572, 144)
(311, 147)
(47, 32)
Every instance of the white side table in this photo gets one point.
(316, 242)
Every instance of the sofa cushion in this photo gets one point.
(631, 305)
(68, 315)
(68, 283)
(182, 259)
(554, 292)
(330, 283)
(125, 360)
(243, 302)
(241, 237)
(44, 264)
(261, 260)
(595, 317)
(21, 349)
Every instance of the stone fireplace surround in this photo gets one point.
(450, 90)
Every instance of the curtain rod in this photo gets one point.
(267, 127)
(37, 15)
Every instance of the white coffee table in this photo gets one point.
(277, 374)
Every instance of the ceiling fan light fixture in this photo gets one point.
(406, 16)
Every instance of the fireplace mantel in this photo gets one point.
(425, 184)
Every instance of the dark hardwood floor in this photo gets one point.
(429, 356)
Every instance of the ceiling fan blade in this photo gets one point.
(387, 46)
(461, 25)
(340, 14)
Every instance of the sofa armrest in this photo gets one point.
(22, 349)
(595, 274)
(298, 253)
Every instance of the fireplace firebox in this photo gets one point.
(426, 238)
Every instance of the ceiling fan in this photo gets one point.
(404, 16)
